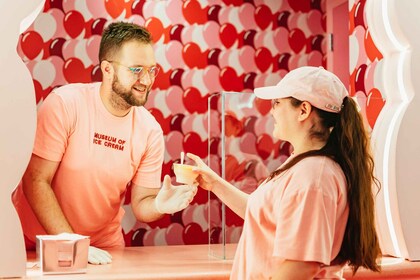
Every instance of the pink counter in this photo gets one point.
(152, 262)
(193, 262)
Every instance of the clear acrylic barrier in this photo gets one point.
(242, 151)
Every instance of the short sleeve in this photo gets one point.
(53, 129)
(150, 169)
(305, 225)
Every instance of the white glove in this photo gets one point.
(98, 256)
(171, 199)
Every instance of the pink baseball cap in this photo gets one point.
(316, 85)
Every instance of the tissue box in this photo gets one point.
(62, 253)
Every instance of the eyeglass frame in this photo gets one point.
(139, 69)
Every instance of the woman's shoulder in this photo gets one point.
(316, 166)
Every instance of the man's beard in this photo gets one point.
(126, 95)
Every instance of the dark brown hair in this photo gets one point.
(118, 33)
(348, 144)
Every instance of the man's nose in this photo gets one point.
(145, 78)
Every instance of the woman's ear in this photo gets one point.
(305, 110)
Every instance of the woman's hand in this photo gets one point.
(207, 178)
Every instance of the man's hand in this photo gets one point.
(171, 199)
(98, 256)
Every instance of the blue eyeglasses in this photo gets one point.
(140, 71)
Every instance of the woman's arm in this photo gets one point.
(234, 198)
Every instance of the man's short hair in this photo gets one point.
(118, 33)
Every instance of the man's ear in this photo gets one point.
(107, 69)
(305, 110)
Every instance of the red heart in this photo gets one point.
(263, 16)
(359, 13)
(40, 93)
(31, 44)
(176, 122)
(137, 237)
(282, 148)
(233, 127)
(264, 146)
(374, 105)
(229, 80)
(74, 23)
(165, 123)
(155, 26)
(263, 106)
(167, 169)
(163, 80)
(75, 72)
(297, 40)
(263, 59)
(193, 234)
(96, 75)
(232, 219)
(213, 57)
(213, 13)
(201, 197)
(115, 7)
(128, 237)
(56, 47)
(192, 143)
(283, 61)
(97, 26)
(193, 57)
(127, 195)
(234, 170)
(371, 50)
(53, 4)
(193, 13)
(228, 35)
(300, 6)
(176, 77)
(137, 7)
(163, 222)
(194, 102)
(214, 145)
(249, 79)
(359, 82)
(235, 3)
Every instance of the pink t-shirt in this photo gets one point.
(300, 215)
(99, 155)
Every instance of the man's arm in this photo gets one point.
(36, 183)
(142, 203)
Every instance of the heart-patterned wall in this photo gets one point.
(202, 47)
(365, 63)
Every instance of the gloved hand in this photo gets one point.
(98, 256)
(171, 199)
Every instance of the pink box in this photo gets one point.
(63, 253)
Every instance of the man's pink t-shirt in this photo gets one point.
(300, 215)
(99, 155)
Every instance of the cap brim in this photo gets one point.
(272, 92)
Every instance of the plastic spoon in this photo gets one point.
(182, 157)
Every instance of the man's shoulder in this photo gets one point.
(144, 116)
(76, 90)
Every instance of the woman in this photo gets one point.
(315, 213)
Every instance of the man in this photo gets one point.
(91, 141)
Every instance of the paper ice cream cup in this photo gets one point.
(184, 173)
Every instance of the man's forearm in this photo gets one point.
(145, 210)
(46, 208)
